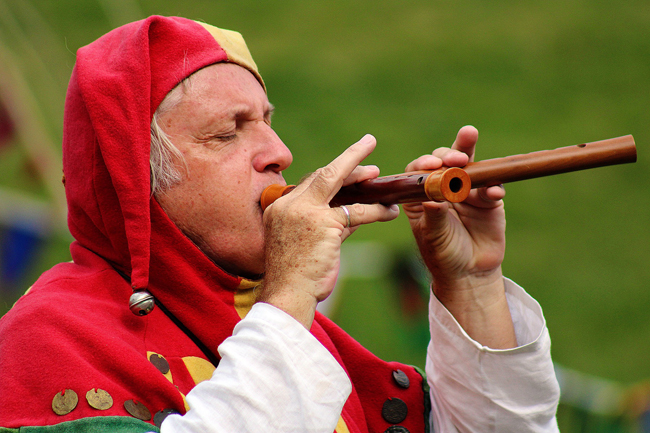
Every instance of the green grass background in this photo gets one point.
(529, 75)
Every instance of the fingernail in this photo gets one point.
(367, 139)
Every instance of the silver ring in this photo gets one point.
(347, 215)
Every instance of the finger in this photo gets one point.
(305, 181)
(451, 157)
(493, 193)
(329, 179)
(424, 162)
(360, 214)
(446, 156)
(415, 211)
(436, 216)
(361, 173)
(466, 141)
(487, 197)
(348, 220)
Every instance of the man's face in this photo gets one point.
(222, 126)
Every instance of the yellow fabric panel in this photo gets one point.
(245, 296)
(341, 426)
(244, 300)
(187, 406)
(235, 47)
(199, 368)
(248, 284)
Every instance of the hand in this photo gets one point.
(303, 234)
(463, 245)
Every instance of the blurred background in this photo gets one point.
(529, 75)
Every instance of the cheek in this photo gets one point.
(220, 191)
(223, 176)
(226, 204)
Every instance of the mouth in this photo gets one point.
(273, 192)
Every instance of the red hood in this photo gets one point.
(116, 85)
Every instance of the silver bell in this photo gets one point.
(141, 303)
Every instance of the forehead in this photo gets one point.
(225, 84)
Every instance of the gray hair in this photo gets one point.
(164, 155)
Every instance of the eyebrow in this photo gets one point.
(245, 112)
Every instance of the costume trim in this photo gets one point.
(112, 424)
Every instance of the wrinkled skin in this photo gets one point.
(304, 235)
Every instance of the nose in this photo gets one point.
(273, 155)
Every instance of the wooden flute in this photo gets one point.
(453, 184)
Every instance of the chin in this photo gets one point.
(253, 268)
(252, 272)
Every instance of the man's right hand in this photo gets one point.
(303, 234)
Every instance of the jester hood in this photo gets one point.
(117, 84)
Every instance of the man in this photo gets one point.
(167, 148)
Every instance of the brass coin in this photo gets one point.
(99, 399)
(394, 410)
(159, 362)
(137, 410)
(396, 429)
(65, 402)
(401, 379)
(159, 417)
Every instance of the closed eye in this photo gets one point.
(216, 140)
(226, 138)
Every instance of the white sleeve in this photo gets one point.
(274, 376)
(478, 389)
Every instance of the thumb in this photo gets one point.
(435, 236)
(436, 217)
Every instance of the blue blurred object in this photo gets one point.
(18, 247)
(645, 421)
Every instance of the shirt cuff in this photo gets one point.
(527, 317)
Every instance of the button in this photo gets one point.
(159, 417)
(394, 410)
(137, 410)
(99, 399)
(65, 402)
(396, 429)
(159, 362)
(401, 379)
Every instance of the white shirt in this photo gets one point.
(274, 376)
(478, 389)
